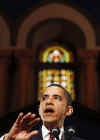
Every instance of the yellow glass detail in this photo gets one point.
(57, 53)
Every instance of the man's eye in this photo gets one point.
(43, 98)
(57, 97)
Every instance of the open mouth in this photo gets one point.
(49, 111)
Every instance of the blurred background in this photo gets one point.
(50, 41)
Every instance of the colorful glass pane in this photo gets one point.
(63, 77)
(56, 54)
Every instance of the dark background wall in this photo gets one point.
(16, 63)
(16, 9)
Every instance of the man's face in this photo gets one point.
(53, 106)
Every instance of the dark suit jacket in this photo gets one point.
(39, 137)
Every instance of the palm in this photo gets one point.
(21, 130)
(23, 135)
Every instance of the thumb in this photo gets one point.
(32, 133)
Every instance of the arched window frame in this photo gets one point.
(57, 66)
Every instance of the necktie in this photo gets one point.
(51, 136)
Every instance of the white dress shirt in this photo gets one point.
(46, 136)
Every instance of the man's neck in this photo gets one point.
(53, 125)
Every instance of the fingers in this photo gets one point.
(32, 123)
(16, 125)
(20, 116)
(27, 118)
(23, 125)
(26, 122)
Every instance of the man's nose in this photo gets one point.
(49, 100)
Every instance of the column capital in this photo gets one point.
(24, 55)
(88, 56)
(5, 55)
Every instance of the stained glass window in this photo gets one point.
(56, 54)
(64, 76)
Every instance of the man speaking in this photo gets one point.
(55, 106)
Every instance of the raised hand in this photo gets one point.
(21, 129)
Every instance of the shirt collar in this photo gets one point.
(45, 132)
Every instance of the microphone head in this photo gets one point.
(71, 130)
(68, 133)
(55, 132)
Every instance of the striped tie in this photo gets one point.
(51, 136)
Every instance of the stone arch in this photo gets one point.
(62, 11)
(4, 34)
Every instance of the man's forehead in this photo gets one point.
(54, 90)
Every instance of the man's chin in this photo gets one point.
(49, 120)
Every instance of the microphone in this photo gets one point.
(69, 132)
(55, 133)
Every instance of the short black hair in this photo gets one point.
(66, 93)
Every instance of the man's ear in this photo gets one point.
(69, 110)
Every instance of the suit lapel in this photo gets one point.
(38, 136)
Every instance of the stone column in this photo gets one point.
(88, 60)
(5, 60)
(24, 60)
